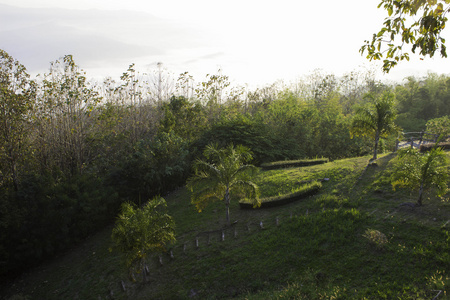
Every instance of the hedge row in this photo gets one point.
(428, 147)
(293, 163)
(305, 191)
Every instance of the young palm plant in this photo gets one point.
(223, 174)
(141, 231)
(376, 120)
(422, 171)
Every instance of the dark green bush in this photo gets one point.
(154, 167)
(266, 144)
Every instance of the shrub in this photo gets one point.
(376, 238)
(141, 231)
(265, 144)
(154, 167)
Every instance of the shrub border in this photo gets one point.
(287, 198)
(293, 163)
(428, 147)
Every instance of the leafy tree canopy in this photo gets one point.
(439, 126)
(418, 23)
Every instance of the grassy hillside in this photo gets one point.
(353, 240)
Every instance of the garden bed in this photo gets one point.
(293, 163)
(303, 192)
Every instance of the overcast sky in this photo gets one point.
(254, 42)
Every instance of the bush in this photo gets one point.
(376, 238)
(154, 167)
(265, 144)
(141, 231)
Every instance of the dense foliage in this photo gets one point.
(223, 174)
(422, 171)
(138, 232)
(72, 150)
(376, 120)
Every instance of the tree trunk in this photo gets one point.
(419, 201)
(227, 204)
(375, 148)
(144, 273)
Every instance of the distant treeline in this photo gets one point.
(72, 150)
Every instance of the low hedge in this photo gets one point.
(428, 147)
(293, 163)
(303, 192)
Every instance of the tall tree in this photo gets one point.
(65, 105)
(418, 23)
(223, 175)
(376, 119)
(16, 104)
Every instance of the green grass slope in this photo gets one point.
(353, 240)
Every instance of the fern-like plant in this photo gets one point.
(223, 174)
(141, 231)
(421, 171)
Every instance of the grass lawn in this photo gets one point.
(315, 248)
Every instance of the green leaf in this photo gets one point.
(439, 9)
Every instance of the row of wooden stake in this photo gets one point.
(222, 238)
(197, 243)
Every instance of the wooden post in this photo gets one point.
(196, 241)
(223, 236)
(276, 220)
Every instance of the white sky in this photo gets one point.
(254, 42)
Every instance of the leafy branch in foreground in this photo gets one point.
(401, 27)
